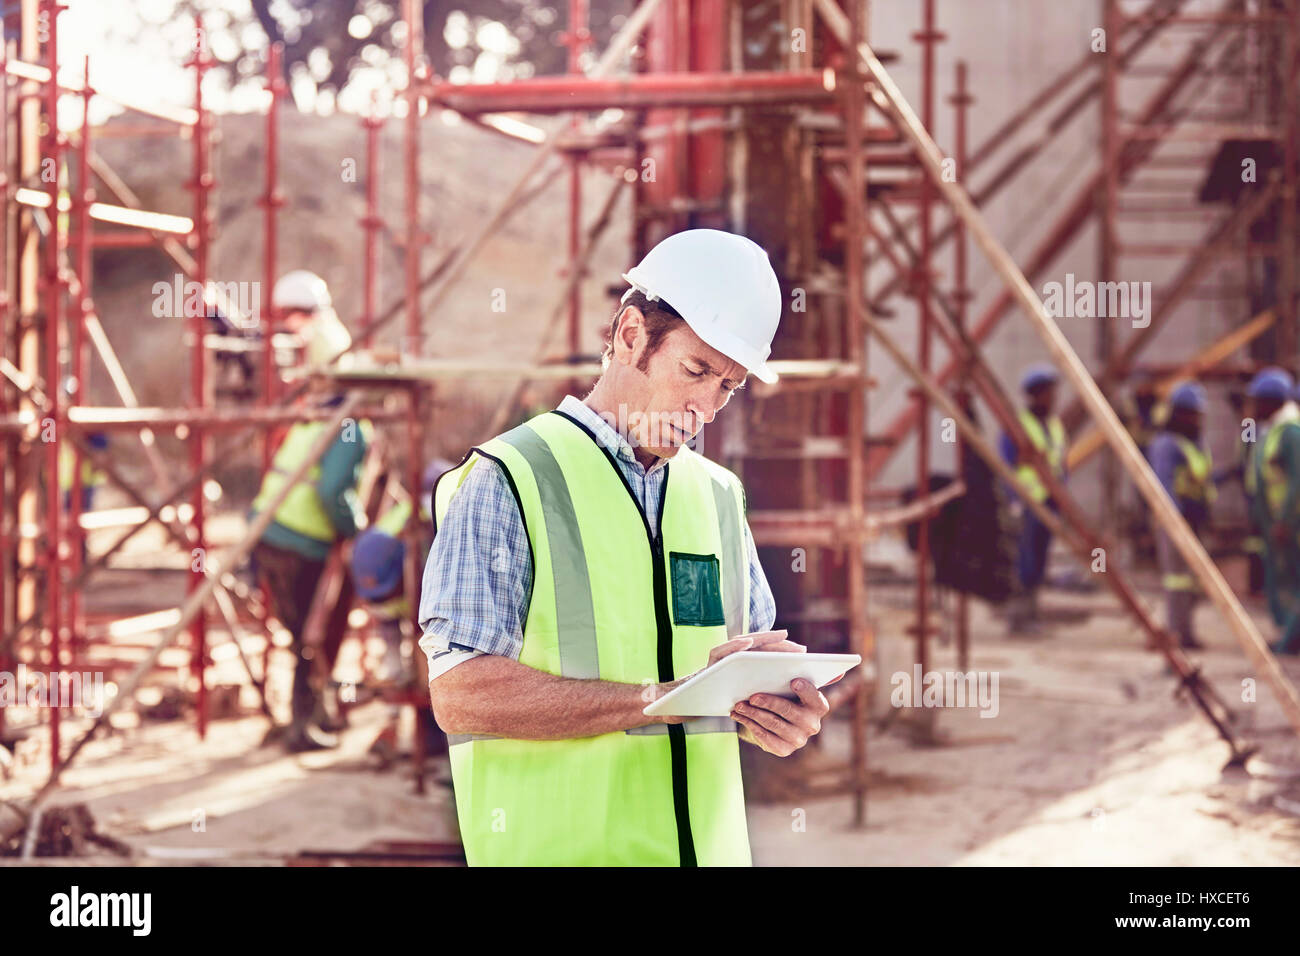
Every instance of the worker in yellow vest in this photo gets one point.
(91, 477)
(1185, 469)
(1047, 435)
(290, 557)
(378, 575)
(1140, 413)
(1276, 507)
(306, 309)
(588, 560)
(1269, 392)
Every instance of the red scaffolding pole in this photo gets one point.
(202, 184)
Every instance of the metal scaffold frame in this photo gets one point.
(47, 330)
(826, 122)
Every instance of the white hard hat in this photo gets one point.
(723, 286)
(301, 289)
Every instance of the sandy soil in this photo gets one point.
(1089, 760)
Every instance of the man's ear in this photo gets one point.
(630, 328)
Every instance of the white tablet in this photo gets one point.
(716, 689)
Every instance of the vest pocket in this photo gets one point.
(697, 589)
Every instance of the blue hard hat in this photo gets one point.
(1272, 383)
(1037, 375)
(432, 472)
(377, 564)
(1189, 396)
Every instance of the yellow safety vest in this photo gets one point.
(302, 511)
(91, 477)
(393, 521)
(610, 602)
(1269, 475)
(1052, 445)
(1192, 481)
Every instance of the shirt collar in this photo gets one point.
(606, 434)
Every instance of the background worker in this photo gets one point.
(1184, 468)
(1047, 436)
(1139, 414)
(543, 658)
(1275, 464)
(92, 478)
(377, 566)
(290, 557)
(1265, 394)
(306, 309)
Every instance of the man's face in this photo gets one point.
(1042, 400)
(1188, 421)
(682, 386)
(295, 320)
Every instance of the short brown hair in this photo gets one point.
(660, 319)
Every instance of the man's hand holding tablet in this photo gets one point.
(774, 723)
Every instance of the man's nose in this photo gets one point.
(704, 410)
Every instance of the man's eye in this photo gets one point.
(692, 373)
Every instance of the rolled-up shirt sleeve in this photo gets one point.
(762, 605)
(478, 576)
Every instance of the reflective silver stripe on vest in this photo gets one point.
(574, 615)
(696, 725)
(734, 560)
(454, 739)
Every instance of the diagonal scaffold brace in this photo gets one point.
(886, 94)
(195, 602)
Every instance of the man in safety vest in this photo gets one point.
(291, 555)
(1275, 467)
(1138, 413)
(91, 478)
(1047, 435)
(1268, 391)
(1185, 469)
(589, 560)
(306, 309)
(377, 565)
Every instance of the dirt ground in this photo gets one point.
(1089, 760)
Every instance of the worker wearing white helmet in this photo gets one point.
(306, 309)
(571, 581)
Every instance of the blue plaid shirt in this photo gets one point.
(476, 582)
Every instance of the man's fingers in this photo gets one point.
(793, 734)
(806, 718)
(763, 638)
(789, 647)
(811, 696)
(730, 647)
(776, 641)
(763, 737)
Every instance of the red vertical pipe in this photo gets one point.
(576, 38)
(854, 275)
(961, 297)
(371, 223)
(270, 202)
(921, 287)
(707, 166)
(1286, 255)
(85, 197)
(6, 548)
(1108, 247)
(198, 391)
(51, 165)
(413, 344)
